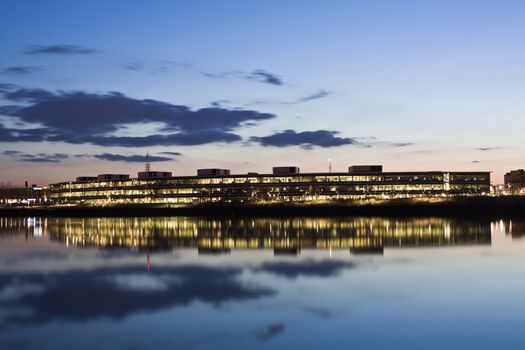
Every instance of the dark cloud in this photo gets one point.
(26, 95)
(37, 157)
(130, 289)
(21, 135)
(12, 153)
(59, 50)
(6, 87)
(305, 139)
(82, 117)
(21, 70)
(130, 158)
(266, 77)
(307, 268)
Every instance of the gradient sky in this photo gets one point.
(89, 87)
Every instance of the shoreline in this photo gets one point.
(464, 206)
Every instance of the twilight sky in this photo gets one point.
(89, 87)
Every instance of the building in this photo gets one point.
(515, 181)
(22, 195)
(223, 187)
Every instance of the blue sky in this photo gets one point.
(412, 85)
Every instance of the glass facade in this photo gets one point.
(268, 188)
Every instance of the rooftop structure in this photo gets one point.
(212, 172)
(112, 177)
(153, 174)
(365, 169)
(286, 170)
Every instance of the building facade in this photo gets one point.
(515, 182)
(279, 186)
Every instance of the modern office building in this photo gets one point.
(285, 184)
(515, 181)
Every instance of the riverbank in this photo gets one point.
(464, 206)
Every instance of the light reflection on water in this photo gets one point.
(181, 282)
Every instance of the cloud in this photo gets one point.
(219, 103)
(79, 117)
(59, 50)
(6, 87)
(130, 289)
(157, 67)
(401, 144)
(271, 331)
(315, 96)
(307, 268)
(130, 159)
(318, 95)
(259, 75)
(36, 158)
(21, 70)
(488, 148)
(171, 153)
(265, 77)
(305, 139)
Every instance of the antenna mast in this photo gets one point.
(148, 167)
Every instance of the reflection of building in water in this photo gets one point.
(213, 236)
(515, 228)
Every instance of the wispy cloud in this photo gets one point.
(171, 153)
(59, 50)
(265, 77)
(21, 70)
(488, 148)
(134, 158)
(401, 144)
(315, 96)
(37, 157)
(157, 67)
(259, 75)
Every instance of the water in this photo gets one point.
(260, 283)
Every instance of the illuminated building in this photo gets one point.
(285, 184)
(515, 181)
(22, 195)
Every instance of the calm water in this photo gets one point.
(191, 283)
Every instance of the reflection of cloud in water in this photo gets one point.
(35, 255)
(318, 311)
(144, 282)
(262, 334)
(271, 331)
(101, 293)
(306, 268)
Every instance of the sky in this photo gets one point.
(89, 87)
